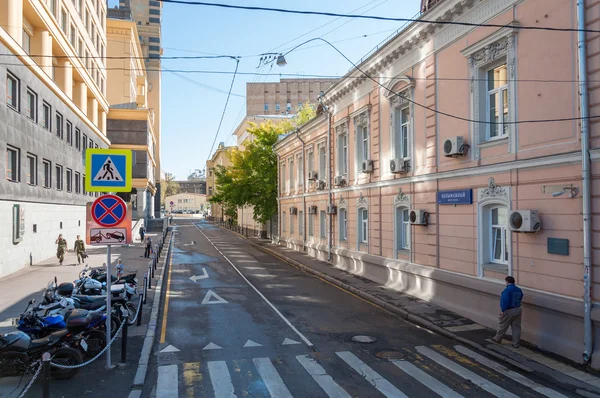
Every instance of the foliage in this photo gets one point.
(170, 187)
(251, 180)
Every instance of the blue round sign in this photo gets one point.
(109, 210)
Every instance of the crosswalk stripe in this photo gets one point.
(220, 379)
(271, 378)
(167, 383)
(509, 373)
(425, 379)
(465, 373)
(376, 380)
(331, 388)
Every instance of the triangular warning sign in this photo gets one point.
(216, 298)
(108, 172)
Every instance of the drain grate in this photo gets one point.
(464, 328)
(364, 339)
(390, 355)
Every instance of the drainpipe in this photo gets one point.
(585, 166)
(329, 181)
(277, 237)
(303, 191)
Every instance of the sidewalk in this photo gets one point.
(93, 380)
(439, 320)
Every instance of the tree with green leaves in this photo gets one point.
(170, 187)
(251, 180)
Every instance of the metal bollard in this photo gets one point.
(124, 340)
(149, 277)
(145, 287)
(153, 267)
(46, 358)
(139, 315)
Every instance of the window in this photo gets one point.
(59, 126)
(47, 182)
(283, 222)
(363, 144)
(12, 91)
(322, 224)
(266, 107)
(288, 106)
(63, 21)
(277, 107)
(12, 164)
(69, 178)
(31, 169)
(47, 116)
(292, 171)
(77, 183)
(91, 144)
(53, 7)
(497, 102)
(283, 179)
(402, 228)
(80, 6)
(291, 224)
(363, 225)
(401, 132)
(59, 177)
(31, 105)
(154, 20)
(80, 48)
(154, 56)
(26, 44)
(73, 37)
(311, 161)
(300, 162)
(342, 155)
(300, 223)
(154, 4)
(69, 133)
(83, 185)
(322, 162)
(154, 39)
(343, 227)
(499, 235)
(154, 12)
(210, 190)
(311, 226)
(84, 142)
(78, 139)
(154, 48)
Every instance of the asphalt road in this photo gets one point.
(250, 325)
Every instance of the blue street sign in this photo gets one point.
(108, 170)
(455, 197)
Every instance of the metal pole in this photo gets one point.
(108, 304)
(139, 315)
(46, 369)
(145, 288)
(587, 193)
(149, 277)
(124, 340)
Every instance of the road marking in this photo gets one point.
(465, 373)
(212, 295)
(166, 385)
(251, 343)
(246, 261)
(212, 346)
(308, 343)
(220, 379)
(376, 380)
(331, 388)
(203, 276)
(289, 342)
(425, 379)
(163, 332)
(509, 373)
(169, 348)
(271, 378)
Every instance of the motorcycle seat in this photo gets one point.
(54, 337)
(92, 306)
(89, 299)
(96, 316)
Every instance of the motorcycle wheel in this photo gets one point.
(132, 309)
(96, 341)
(65, 356)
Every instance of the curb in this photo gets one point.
(142, 370)
(401, 313)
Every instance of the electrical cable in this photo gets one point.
(206, 86)
(375, 17)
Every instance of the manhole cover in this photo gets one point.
(364, 339)
(390, 355)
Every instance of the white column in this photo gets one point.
(81, 96)
(94, 110)
(14, 10)
(68, 79)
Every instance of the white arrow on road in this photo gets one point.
(203, 276)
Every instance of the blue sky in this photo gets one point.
(191, 112)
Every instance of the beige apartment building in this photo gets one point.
(220, 158)
(52, 108)
(437, 177)
(283, 97)
(131, 121)
(186, 202)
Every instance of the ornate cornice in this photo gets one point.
(493, 191)
(401, 198)
(362, 201)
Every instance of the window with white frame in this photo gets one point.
(300, 163)
(322, 161)
(342, 149)
(343, 224)
(361, 124)
(401, 132)
(26, 44)
(31, 169)
(292, 186)
(363, 225)
(283, 179)
(402, 221)
(283, 222)
(323, 224)
(310, 164)
(13, 164)
(499, 235)
(291, 224)
(300, 223)
(497, 102)
(311, 225)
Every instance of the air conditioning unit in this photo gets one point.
(399, 166)
(367, 166)
(321, 185)
(524, 221)
(312, 209)
(332, 209)
(339, 181)
(312, 175)
(293, 210)
(454, 146)
(418, 217)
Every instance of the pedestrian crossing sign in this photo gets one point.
(108, 170)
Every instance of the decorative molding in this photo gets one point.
(493, 191)
(362, 201)
(341, 128)
(398, 101)
(401, 198)
(389, 85)
(342, 204)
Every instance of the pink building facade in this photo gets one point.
(428, 170)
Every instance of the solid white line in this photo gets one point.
(331, 388)
(425, 379)
(220, 379)
(384, 386)
(167, 383)
(465, 373)
(308, 343)
(509, 373)
(271, 378)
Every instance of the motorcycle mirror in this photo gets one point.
(55, 281)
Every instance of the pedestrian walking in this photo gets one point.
(120, 267)
(79, 248)
(61, 248)
(510, 312)
(148, 247)
(142, 231)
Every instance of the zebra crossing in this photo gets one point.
(425, 371)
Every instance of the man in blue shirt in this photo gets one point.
(510, 312)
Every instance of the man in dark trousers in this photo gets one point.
(510, 315)
(142, 232)
(148, 250)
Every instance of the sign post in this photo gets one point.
(108, 220)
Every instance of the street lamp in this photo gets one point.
(281, 60)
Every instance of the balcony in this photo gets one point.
(427, 5)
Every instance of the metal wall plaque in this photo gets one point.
(455, 197)
(558, 246)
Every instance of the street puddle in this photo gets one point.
(191, 258)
